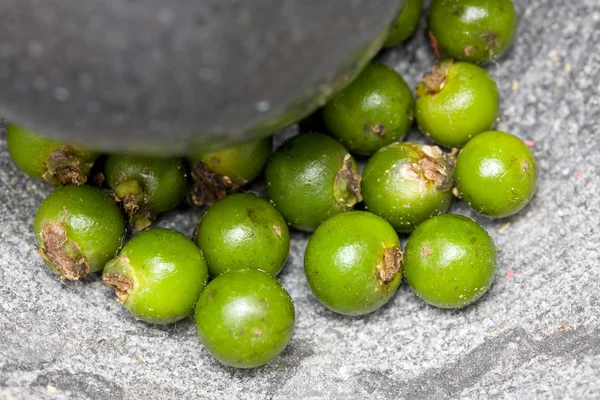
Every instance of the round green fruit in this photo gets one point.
(496, 174)
(407, 183)
(243, 231)
(449, 261)
(158, 276)
(146, 186)
(353, 263)
(77, 230)
(48, 160)
(456, 101)
(376, 109)
(406, 24)
(473, 30)
(310, 178)
(245, 318)
(217, 174)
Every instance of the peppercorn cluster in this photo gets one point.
(100, 217)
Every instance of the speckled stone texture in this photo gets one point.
(536, 334)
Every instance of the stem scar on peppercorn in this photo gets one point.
(427, 252)
(208, 186)
(433, 82)
(64, 256)
(346, 186)
(122, 284)
(67, 166)
(390, 266)
(375, 129)
(432, 168)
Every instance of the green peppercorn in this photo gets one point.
(48, 160)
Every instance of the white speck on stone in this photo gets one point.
(35, 49)
(263, 106)
(61, 94)
(40, 83)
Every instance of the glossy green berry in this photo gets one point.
(407, 183)
(243, 231)
(77, 230)
(310, 178)
(376, 109)
(46, 159)
(406, 24)
(225, 171)
(146, 186)
(456, 101)
(245, 318)
(449, 261)
(496, 174)
(158, 276)
(353, 263)
(472, 30)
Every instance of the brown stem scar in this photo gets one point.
(431, 168)
(208, 186)
(436, 80)
(64, 256)
(130, 204)
(67, 166)
(391, 265)
(376, 129)
(427, 252)
(346, 186)
(120, 283)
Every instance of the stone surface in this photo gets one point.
(536, 334)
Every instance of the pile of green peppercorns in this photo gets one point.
(353, 261)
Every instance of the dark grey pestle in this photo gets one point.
(172, 77)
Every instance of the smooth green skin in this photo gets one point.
(449, 261)
(467, 105)
(168, 271)
(30, 151)
(473, 30)
(93, 222)
(406, 24)
(163, 180)
(242, 164)
(341, 259)
(301, 176)
(400, 200)
(243, 231)
(245, 318)
(379, 99)
(496, 174)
